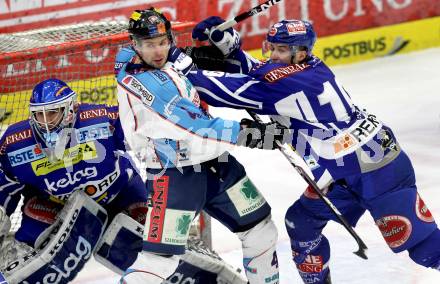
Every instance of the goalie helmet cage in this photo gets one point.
(81, 55)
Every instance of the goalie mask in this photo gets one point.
(52, 109)
(298, 35)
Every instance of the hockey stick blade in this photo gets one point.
(243, 16)
(362, 248)
(362, 251)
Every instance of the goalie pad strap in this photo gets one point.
(68, 245)
(120, 244)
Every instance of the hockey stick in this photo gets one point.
(243, 16)
(362, 248)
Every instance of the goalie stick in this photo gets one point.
(362, 248)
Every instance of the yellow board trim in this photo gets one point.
(376, 42)
(14, 107)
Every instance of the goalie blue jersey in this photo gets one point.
(94, 160)
(333, 136)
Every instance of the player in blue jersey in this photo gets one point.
(353, 156)
(65, 148)
(185, 153)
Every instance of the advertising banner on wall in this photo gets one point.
(348, 31)
(329, 17)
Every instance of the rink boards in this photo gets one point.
(334, 50)
(376, 42)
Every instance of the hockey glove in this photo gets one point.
(207, 57)
(227, 41)
(180, 60)
(260, 135)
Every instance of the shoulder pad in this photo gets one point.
(125, 55)
(91, 111)
(15, 133)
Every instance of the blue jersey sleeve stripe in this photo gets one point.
(158, 157)
(223, 101)
(236, 94)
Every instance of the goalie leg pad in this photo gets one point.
(2, 279)
(67, 247)
(11, 250)
(120, 244)
(259, 255)
(310, 249)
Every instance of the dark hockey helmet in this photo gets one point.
(149, 23)
(294, 33)
(52, 109)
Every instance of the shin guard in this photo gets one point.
(150, 268)
(259, 255)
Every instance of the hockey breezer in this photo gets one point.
(362, 247)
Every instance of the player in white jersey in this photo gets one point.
(353, 156)
(185, 150)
